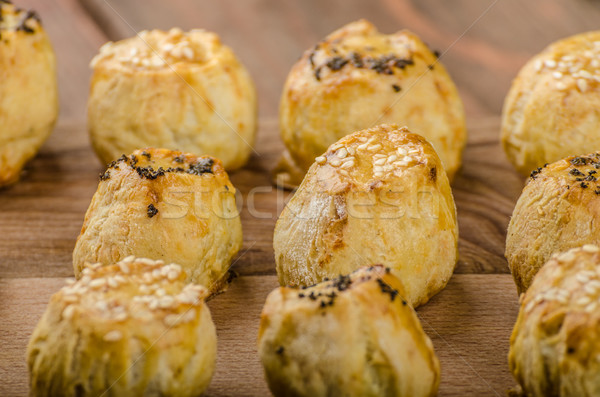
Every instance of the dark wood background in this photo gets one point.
(484, 43)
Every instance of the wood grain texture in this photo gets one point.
(41, 216)
(484, 42)
(469, 323)
(76, 39)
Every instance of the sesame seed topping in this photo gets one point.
(320, 160)
(335, 162)
(68, 312)
(590, 248)
(113, 336)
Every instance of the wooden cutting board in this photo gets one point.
(469, 322)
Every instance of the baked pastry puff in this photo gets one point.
(551, 110)
(376, 196)
(28, 88)
(128, 329)
(162, 204)
(559, 209)
(178, 90)
(555, 344)
(357, 78)
(353, 336)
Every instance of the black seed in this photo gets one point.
(152, 210)
(396, 87)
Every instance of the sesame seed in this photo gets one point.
(590, 248)
(408, 159)
(582, 278)
(156, 273)
(146, 261)
(320, 160)
(402, 151)
(584, 300)
(124, 268)
(101, 305)
(188, 53)
(561, 86)
(538, 65)
(590, 289)
(70, 298)
(113, 336)
(351, 150)
(172, 319)
(380, 161)
(120, 317)
(557, 75)
(591, 307)
(378, 174)
(336, 147)
(392, 158)
(582, 85)
(374, 148)
(166, 301)
(594, 284)
(172, 275)
(401, 163)
(128, 259)
(120, 279)
(68, 312)
(335, 162)
(168, 47)
(343, 172)
(550, 63)
(585, 74)
(362, 147)
(530, 306)
(342, 153)
(378, 168)
(160, 292)
(99, 282)
(566, 257)
(144, 289)
(112, 282)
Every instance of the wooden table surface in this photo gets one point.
(484, 43)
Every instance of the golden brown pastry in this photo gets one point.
(130, 329)
(551, 110)
(28, 89)
(357, 78)
(558, 209)
(177, 90)
(160, 204)
(555, 345)
(352, 336)
(376, 196)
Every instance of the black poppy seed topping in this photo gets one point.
(382, 65)
(576, 172)
(432, 176)
(202, 166)
(387, 289)
(280, 350)
(579, 161)
(582, 178)
(179, 159)
(396, 87)
(342, 283)
(152, 210)
(436, 53)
